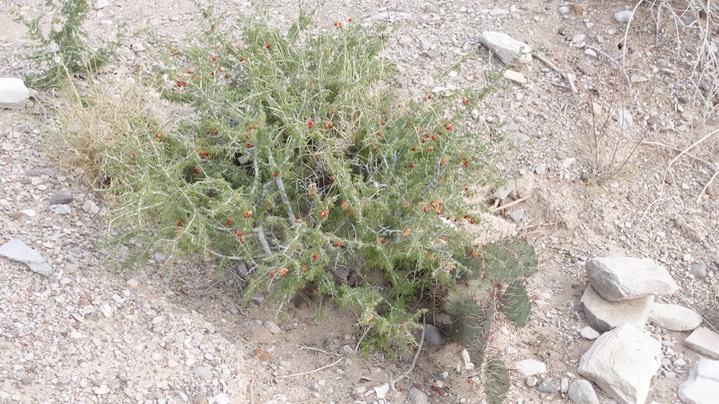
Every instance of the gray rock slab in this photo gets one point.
(507, 48)
(704, 341)
(17, 250)
(582, 392)
(674, 317)
(622, 362)
(13, 93)
(702, 386)
(604, 315)
(530, 367)
(621, 278)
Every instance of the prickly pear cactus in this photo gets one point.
(494, 284)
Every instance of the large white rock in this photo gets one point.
(604, 315)
(622, 362)
(702, 386)
(13, 93)
(621, 278)
(507, 48)
(674, 317)
(704, 341)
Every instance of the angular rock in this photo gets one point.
(704, 341)
(13, 93)
(61, 209)
(674, 317)
(507, 48)
(417, 396)
(622, 362)
(432, 335)
(621, 278)
(272, 327)
(530, 367)
(623, 16)
(547, 386)
(516, 77)
(582, 392)
(61, 198)
(17, 250)
(604, 315)
(589, 333)
(699, 269)
(702, 386)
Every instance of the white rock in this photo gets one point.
(514, 76)
(674, 317)
(220, 399)
(100, 4)
(704, 341)
(382, 391)
(507, 48)
(702, 386)
(624, 117)
(61, 209)
(623, 16)
(272, 327)
(582, 392)
(621, 278)
(102, 390)
(13, 93)
(530, 367)
(90, 207)
(622, 362)
(604, 315)
(589, 333)
(16, 250)
(590, 52)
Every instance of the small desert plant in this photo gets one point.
(63, 51)
(608, 147)
(493, 284)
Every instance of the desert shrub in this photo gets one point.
(63, 51)
(301, 167)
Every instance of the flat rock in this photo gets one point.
(622, 362)
(604, 315)
(507, 48)
(621, 278)
(589, 333)
(17, 250)
(623, 16)
(514, 76)
(530, 367)
(702, 386)
(13, 93)
(272, 327)
(582, 392)
(704, 341)
(61, 198)
(417, 396)
(674, 317)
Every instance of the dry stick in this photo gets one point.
(669, 167)
(310, 371)
(666, 146)
(706, 186)
(495, 210)
(611, 59)
(414, 361)
(557, 70)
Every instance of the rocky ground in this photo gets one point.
(171, 332)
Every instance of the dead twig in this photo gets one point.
(520, 200)
(414, 360)
(310, 371)
(557, 70)
(619, 65)
(683, 152)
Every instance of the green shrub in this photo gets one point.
(299, 162)
(63, 51)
